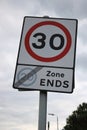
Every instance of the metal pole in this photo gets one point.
(52, 114)
(57, 123)
(42, 107)
(42, 110)
(48, 125)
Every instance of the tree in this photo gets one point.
(78, 119)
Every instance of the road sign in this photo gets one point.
(46, 58)
(51, 40)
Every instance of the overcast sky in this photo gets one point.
(19, 110)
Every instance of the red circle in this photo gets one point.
(48, 59)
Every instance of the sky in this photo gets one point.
(19, 110)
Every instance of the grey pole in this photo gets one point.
(42, 110)
(42, 107)
(57, 123)
(48, 125)
(52, 114)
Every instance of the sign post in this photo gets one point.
(42, 110)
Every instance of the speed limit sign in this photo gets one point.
(48, 43)
(41, 41)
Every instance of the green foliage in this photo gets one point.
(78, 119)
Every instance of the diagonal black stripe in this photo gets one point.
(27, 76)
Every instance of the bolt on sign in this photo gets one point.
(46, 56)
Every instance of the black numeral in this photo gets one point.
(61, 41)
(41, 41)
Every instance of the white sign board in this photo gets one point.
(46, 58)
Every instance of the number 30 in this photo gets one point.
(42, 38)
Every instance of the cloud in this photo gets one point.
(67, 8)
(82, 31)
(82, 62)
(17, 111)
